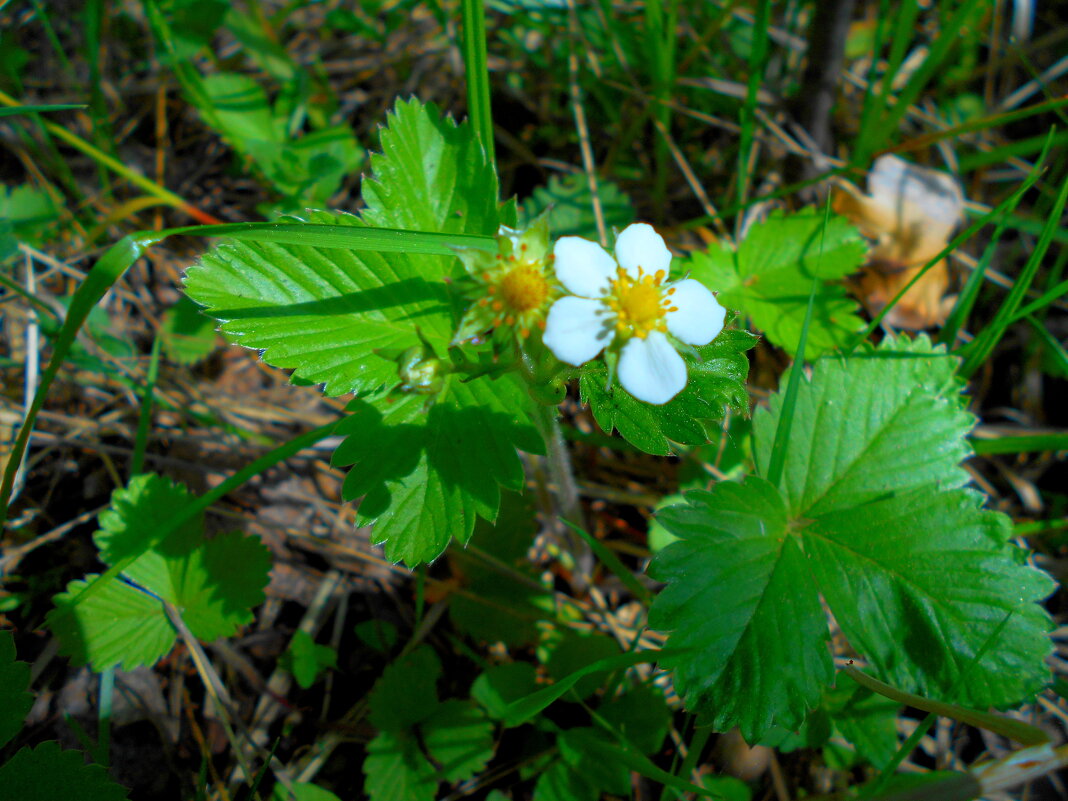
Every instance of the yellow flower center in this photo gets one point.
(524, 288)
(641, 305)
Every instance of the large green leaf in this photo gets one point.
(741, 599)
(48, 773)
(396, 770)
(212, 583)
(770, 276)
(339, 317)
(716, 384)
(871, 515)
(427, 475)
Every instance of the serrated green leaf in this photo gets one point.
(426, 476)
(571, 205)
(762, 658)
(15, 699)
(867, 721)
(459, 738)
(716, 384)
(769, 278)
(188, 335)
(337, 317)
(48, 773)
(212, 583)
(579, 749)
(396, 769)
(406, 692)
(560, 783)
(920, 578)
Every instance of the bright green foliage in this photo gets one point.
(769, 278)
(495, 606)
(15, 700)
(571, 206)
(307, 169)
(306, 659)
(25, 212)
(344, 319)
(872, 516)
(188, 335)
(48, 773)
(212, 583)
(717, 383)
(426, 476)
(457, 735)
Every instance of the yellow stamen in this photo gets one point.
(640, 303)
(524, 288)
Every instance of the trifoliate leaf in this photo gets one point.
(769, 278)
(15, 700)
(47, 773)
(762, 658)
(459, 738)
(871, 516)
(571, 206)
(716, 384)
(396, 769)
(406, 692)
(339, 317)
(306, 659)
(188, 335)
(427, 475)
(212, 583)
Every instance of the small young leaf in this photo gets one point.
(15, 700)
(716, 384)
(770, 276)
(48, 773)
(306, 659)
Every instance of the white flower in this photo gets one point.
(626, 297)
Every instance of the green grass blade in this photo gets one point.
(1025, 443)
(144, 420)
(983, 345)
(11, 112)
(970, 293)
(757, 59)
(477, 71)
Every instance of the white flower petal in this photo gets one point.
(583, 267)
(577, 329)
(651, 370)
(699, 317)
(639, 245)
